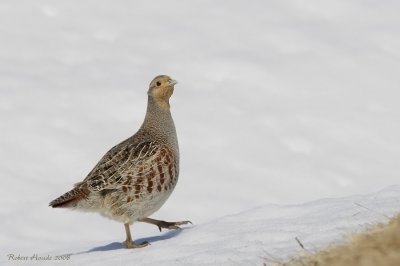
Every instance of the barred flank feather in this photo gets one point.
(71, 198)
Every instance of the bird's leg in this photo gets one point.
(164, 224)
(129, 243)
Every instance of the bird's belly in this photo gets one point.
(128, 208)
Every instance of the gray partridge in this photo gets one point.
(135, 178)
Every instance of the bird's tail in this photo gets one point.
(71, 198)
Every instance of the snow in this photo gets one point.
(278, 102)
(263, 234)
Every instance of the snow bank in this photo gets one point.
(246, 238)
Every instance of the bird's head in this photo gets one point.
(161, 88)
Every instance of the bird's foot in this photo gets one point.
(171, 225)
(131, 244)
(163, 224)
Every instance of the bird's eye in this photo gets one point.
(158, 83)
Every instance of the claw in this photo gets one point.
(163, 224)
(171, 225)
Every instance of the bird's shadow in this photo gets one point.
(119, 245)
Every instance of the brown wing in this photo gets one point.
(142, 167)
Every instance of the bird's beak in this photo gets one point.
(173, 82)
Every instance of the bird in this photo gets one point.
(136, 177)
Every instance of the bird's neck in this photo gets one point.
(158, 118)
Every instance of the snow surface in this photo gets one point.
(264, 234)
(279, 102)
